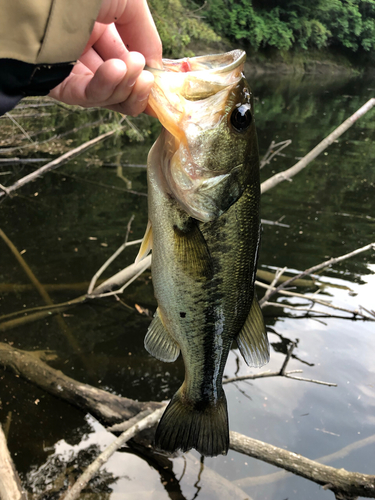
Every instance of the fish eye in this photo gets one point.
(241, 118)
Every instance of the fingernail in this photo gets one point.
(131, 83)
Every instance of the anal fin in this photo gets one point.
(159, 343)
(252, 339)
(146, 245)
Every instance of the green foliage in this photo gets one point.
(296, 23)
(178, 26)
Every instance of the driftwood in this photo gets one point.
(291, 172)
(107, 408)
(10, 484)
(318, 267)
(341, 482)
(249, 481)
(110, 409)
(90, 472)
(57, 162)
(274, 149)
(118, 282)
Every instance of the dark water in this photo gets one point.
(69, 222)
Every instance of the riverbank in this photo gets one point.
(271, 61)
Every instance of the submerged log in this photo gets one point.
(110, 409)
(349, 485)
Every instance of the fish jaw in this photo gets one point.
(203, 165)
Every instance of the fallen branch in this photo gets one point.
(273, 150)
(315, 313)
(57, 162)
(316, 268)
(291, 172)
(49, 287)
(10, 484)
(354, 312)
(248, 482)
(111, 409)
(275, 280)
(122, 279)
(42, 292)
(107, 408)
(111, 259)
(279, 373)
(24, 133)
(90, 472)
(340, 481)
(25, 267)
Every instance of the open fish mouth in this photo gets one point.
(198, 77)
(193, 98)
(215, 63)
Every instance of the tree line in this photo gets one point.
(284, 24)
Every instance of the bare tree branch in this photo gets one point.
(275, 280)
(288, 174)
(10, 484)
(93, 468)
(356, 313)
(113, 409)
(122, 279)
(111, 259)
(351, 484)
(277, 476)
(273, 150)
(323, 265)
(57, 162)
(280, 373)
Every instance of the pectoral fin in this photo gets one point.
(159, 343)
(252, 339)
(146, 245)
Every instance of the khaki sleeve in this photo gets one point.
(46, 31)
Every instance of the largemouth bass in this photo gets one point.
(204, 227)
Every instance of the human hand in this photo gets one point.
(110, 72)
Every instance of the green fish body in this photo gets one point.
(203, 182)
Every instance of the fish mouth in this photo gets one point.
(213, 63)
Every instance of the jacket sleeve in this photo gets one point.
(39, 42)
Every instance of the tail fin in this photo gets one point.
(185, 425)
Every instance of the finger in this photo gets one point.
(91, 59)
(73, 89)
(86, 89)
(103, 84)
(135, 63)
(109, 45)
(96, 33)
(137, 101)
(110, 11)
(138, 32)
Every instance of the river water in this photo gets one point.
(68, 223)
